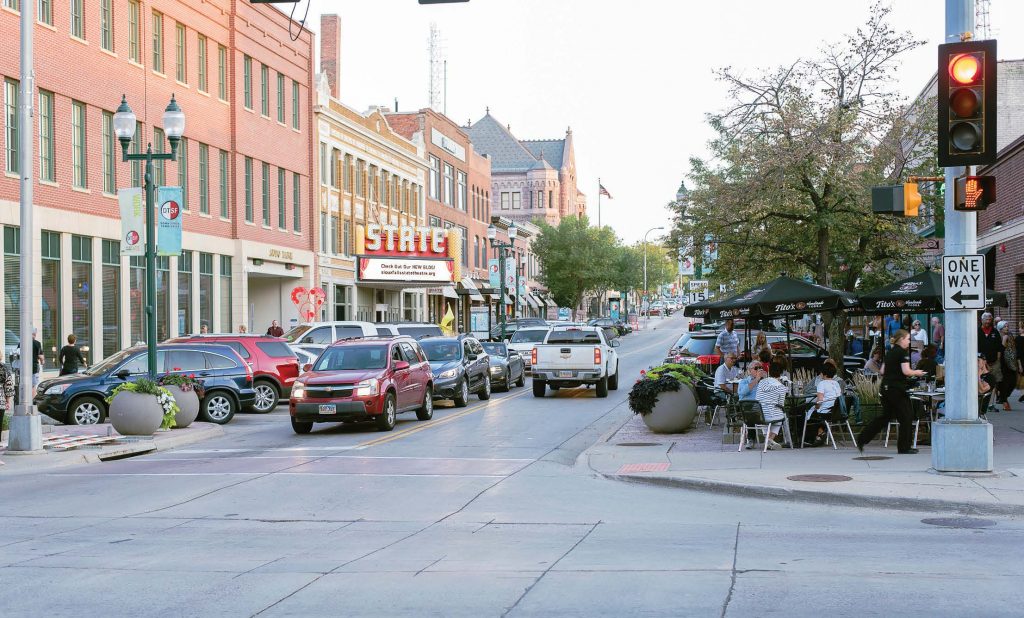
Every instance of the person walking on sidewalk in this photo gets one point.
(1011, 365)
(895, 399)
(70, 357)
(6, 390)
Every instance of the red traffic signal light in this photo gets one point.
(974, 193)
(967, 103)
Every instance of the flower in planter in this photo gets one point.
(149, 387)
(663, 378)
(184, 382)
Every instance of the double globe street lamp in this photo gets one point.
(124, 128)
(492, 237)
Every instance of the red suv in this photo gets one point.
(371, 379)
(273, 363)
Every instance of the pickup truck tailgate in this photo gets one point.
(557, 356)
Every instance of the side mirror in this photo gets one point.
(123, 374)
(400, 365)
(471, 357)
(307, 367)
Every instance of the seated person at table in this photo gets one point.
(927, 363)
(828, 392)
(771, 394)
(875, 363)
(748, 385)
(727, 371)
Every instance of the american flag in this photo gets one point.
(604, 191)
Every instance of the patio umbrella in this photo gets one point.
(783, 296)
(921, 293)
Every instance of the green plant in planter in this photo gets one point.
(663, 378)
(146, 386)
(185, 382)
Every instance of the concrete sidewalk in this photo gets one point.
(699, 460)
(122, 446)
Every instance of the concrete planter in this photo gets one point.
(673, 412)
(135, 414)
(188, 406)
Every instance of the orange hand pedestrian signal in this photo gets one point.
(974, 193)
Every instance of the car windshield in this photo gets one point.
(574, 336)
(698, 346)
(353, 358)
(108, 363)
(529, 336)
(296, 333)
(495, 349)
(442, 351)
(417, 332)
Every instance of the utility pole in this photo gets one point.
(961, 442)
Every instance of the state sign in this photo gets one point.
(963, 282)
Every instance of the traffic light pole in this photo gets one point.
(960, 442)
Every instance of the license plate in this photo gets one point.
(328, 408)
(565, 374)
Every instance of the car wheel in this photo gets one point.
(217, 407)
(301, 427)
(602, 387)
(485, 393)
(386, 420)
(539, 388)
(85, 411)
(266, 397)
(426, 412)
(462, 399)
(521, 382)
(613, 380)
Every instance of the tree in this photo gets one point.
(575, 259)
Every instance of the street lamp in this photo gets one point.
(492, 237)
(647, 313)
(124, 128)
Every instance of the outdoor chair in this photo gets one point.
(753, 418)
(919, 411)
(837, 418)
(984, 401)
(705, 396)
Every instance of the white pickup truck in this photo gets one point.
(574, 356)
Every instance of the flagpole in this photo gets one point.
(599, 202)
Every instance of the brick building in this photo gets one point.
(1001, 230)
(245, 163)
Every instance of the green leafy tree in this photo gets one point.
(575, 259)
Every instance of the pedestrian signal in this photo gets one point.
(974, 193)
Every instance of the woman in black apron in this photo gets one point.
(895, 399)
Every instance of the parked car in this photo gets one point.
(507, 366)
(416, 330)
(80, 399)
(273, 363)
(319, 335)
(572, 357)
(460, 366)
(618, 325)
(699, 347)
(304, 356)
(364, 380)
(524, 340)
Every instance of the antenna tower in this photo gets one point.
(982, 23)
(435, 45)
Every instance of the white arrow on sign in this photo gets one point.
(963, 282)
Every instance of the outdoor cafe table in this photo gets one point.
(931, 395)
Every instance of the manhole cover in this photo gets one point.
(820, 478)
(638, 444)
(958, 522)
(871, 458)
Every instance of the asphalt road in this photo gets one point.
(484, 511)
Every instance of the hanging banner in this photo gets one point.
(494, 273)
(168, 222)
(133, 221)
(686, 266)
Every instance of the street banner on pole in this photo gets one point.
(168, 231)
(133, 221)
(494, 273)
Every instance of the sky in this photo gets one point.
(633, 78)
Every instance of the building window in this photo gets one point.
(183, 172)
(360, 171)
(136, 300)
(295, 105)
(248, 189)
(180, 68)
(225, 293)
(505, 200)
(280, 98)
(222, 73)
(224, 184)
(282, 201)
(374, 196)
(12, 279)
(323, 232)
(346, 174)
(462, 197)
(185, 293)
(14, 5)
(159, 167)
(201, 61)
(50, 331)
(45, 12)
(137, 149)
(449, 184)
(264, 90)
(332, 165)
(266, 193)
(109, 154)
(206, 291)
(333, 234)
(464, 233)
(341, 302)
(296, 200)
(134, 49)
(516, 198)
(551, 199)
(46, 146)
(11, 125)
(158, 42)
(78, 149)
(476, 252)
(434, 221)
(81, 291)
(110, 273)
(434, 185)
(163, 296)
(324, 170)
(107, 25)
(247, 81)
(204, 179)
(78, 19)
(346, 245)
(540, 199)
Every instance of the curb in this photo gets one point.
(803, 495)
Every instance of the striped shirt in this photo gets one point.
(771, 394)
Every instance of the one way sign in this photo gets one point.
(963, 282)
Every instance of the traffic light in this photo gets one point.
(900, 200)
(911, 199)
(974, 193)
(967, 103)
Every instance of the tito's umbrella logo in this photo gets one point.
(170, 210)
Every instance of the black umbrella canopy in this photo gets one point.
(783, 296)
(921, 293)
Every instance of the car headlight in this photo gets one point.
(298, 390)
(496, 369)
(367, 388)
(56, 389)
(448, 374)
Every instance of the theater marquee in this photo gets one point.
(408, 254)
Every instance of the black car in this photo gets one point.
(80, 399)
(699, 347)
(619, 326)
(507, 366)
(460, 367)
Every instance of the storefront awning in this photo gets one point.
(508, 300)
(474, 293)
(449, 292)
(533, 301)
(540, 300)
